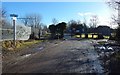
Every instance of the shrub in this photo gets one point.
(118, 34)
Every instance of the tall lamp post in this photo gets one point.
(14, 18)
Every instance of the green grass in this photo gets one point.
(106, 37)
(102, 42)
(28, 43)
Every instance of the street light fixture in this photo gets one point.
(14, 18)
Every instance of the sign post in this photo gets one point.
(14, 18)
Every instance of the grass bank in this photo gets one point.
(9, 46)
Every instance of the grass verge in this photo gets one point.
(29, 43)
(8, 45)
(102, 42)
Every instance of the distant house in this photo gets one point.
(104, 30)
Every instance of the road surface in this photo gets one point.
(68, 56)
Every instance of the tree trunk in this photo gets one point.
(39, 34)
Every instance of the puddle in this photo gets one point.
(56, 44)
(26, 55)
(40, 48)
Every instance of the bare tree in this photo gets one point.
(115, 4)
(94, 21)
(25, 21)
(41, 27)
(2, 16)
(4, 13)
(45, 29)
(78, 22)
(34, 21)
(55, 21)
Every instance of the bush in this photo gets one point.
(114, 64)
(100, 36)
(112, 38)
(118, 34)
